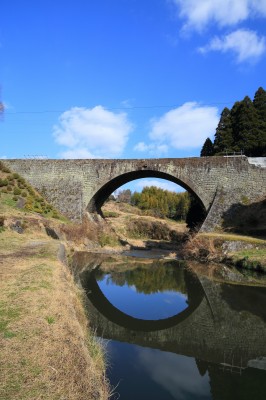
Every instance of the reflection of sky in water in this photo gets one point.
(139, 305)
(175, 373)
(144, 373)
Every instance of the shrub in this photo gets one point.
(151, 229)
(24, 194)
(3, 167)
(16, 191)
(55, 215)
(31, 191)
(2, 221)
(21, 180)
(9, 188)
(3, 182)
(110, 214)
(15, 175)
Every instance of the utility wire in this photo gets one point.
(114, 108)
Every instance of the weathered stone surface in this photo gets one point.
(17, 227)
(76, 186)
(51, 232)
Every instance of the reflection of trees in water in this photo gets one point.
(152, 279)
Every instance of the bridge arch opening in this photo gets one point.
(102, 195)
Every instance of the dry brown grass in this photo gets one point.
(47, 351)
(232, 237)
(76, 232)
(200, 247)
(126, 215)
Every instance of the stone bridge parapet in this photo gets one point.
(79, 186)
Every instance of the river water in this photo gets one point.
(170, 333)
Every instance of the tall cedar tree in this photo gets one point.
(207, 149)
(223, 140)
(244, 123)
(260, 106)
(243, 128)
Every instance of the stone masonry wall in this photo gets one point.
(73, 185)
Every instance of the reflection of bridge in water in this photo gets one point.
(219, 327)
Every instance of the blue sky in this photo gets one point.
(124, 78)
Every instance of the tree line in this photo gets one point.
(158, 202)
(241, 130)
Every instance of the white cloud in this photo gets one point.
(128, 103)
(77, 153)
(200, 13)
(3, 157)
(177, 374)
(151, 149)
(92, 133)
(185, 127)
(245, 44)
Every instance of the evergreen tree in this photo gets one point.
(242, 129)
(245, 126)
(260, 103)
(223, 140)
(260, 106)
(207, 148)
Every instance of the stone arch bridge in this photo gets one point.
(79, 186)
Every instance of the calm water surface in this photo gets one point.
(172, 335)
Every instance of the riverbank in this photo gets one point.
(47, 348)
(244, 252)
(172, 239)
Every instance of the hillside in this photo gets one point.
(139, 230)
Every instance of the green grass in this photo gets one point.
(50, 320)
(7, 200)
(8, 314)
(108, 240)
(252, 253)
(110, 214)
(9, 334)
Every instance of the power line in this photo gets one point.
(114, 108)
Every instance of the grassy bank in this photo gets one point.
(47, 350)
(232, 249)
